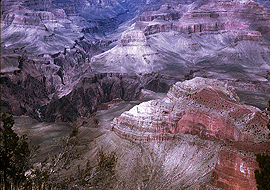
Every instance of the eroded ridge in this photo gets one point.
(204, 107)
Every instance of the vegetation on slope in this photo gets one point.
(18, 168)
(262, 176)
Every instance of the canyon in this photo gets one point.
(208, 109)
(182, 84)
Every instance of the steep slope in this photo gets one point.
(133, 54)
(210, 110)
(93, 90)
(204, 107)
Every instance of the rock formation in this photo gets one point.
(208, 16)
(61, 60)
(93, 90)
(210, 110)
(60, 42)
(133, 54)
(202, 107)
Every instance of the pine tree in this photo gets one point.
(14, 153)
(262, 176)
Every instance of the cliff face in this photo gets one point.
(91, 91)
(210, 110)
(205, 16)
(202, 107)
(234, 170)
(133, 54)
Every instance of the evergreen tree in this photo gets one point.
(262, 176)
(14, 153)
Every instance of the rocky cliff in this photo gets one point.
(61, 41)
(93, 90)
(133, 54)
(210, 110)
(202, 107)
(204, 16)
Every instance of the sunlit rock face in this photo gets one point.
(234, 170)
(202, 107)
(133, 54)
(210, 110)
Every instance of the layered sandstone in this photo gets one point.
(210, 110)
(133, 54)
(203, 107)
(234, 170)
(210, 16)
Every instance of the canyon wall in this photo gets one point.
(210, 110)
(91, 91)
(208, 16)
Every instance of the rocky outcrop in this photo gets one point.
(202, 107)
(210, 16)
(234, 170)
(210, 110)
(133, 54)
(94, 90)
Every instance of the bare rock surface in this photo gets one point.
(133, 54)
(204, 107)
(93, 90)
(204, 16)
(59, 42)
(210, 110)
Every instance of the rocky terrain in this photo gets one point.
(208, 109)
(225, 40)
(51, 43)
(204, 107)
(89, 61)
(94, 90)
(59, 44)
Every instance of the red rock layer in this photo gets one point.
(234, 171)
(197, 107)
(211, 110)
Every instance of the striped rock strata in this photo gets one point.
(211, 110)
(204, 107)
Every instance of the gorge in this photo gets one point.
(177, 88)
